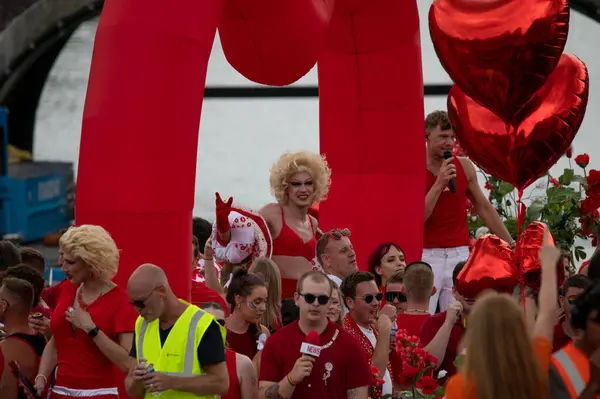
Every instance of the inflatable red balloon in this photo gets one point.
(494, 265)
(499, 52)
(541, 133)
(490, 266)
(274, 42)
(144, 100)
(371, 106)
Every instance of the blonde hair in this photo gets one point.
(267, 270)
(95, 247)
(291, 163)
(337, 289)
(500, 361)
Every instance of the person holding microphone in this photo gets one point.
(295, 364)
(450, 181)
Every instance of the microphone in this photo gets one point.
(312, 345)
(452, 182)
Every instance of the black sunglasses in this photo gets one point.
(369, 298)
(390, 296)
(141, 303)
(310, 298)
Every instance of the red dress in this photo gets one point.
(335, 371)
(234, 382)
(289, 243)
(82, 368)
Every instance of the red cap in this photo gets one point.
(313, 338)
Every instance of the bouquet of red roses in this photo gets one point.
(417, 368)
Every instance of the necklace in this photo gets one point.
(335, 335)
(416, 311)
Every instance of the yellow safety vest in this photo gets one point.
(179, 355)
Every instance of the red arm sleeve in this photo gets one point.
(271, 365)
(124, 316)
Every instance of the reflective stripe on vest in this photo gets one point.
(573, 380)
(190, 349)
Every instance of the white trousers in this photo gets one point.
(443, 261)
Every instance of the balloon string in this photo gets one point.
(521, 211)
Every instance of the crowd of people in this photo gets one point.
(281, 309)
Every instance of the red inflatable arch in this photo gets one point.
(141, 119)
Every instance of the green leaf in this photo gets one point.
(458, 362)
(534, 210)
(505, 188)
(567, 177)
(440, 391)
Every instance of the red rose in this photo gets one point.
(427, 385)
(582, 160)
(569, 152)
(408, 375)
(593, 182)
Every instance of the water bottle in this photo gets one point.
(151, 369)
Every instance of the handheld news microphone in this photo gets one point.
(312, 345)
(452, 182)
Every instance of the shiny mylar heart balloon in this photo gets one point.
(527, 256)
(541, 132)
(499, 52)
(493, 265)
(490, 266)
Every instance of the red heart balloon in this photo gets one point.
(540, 134)
(499, 52)
(527, 254)
(493, 265)
(490, 266)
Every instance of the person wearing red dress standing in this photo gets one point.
(93, 323)
(449, 183)
(243, 382)
(247, 296)
(337, 373)
(297, 180)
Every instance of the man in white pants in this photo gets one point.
(450, 183)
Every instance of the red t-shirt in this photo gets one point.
(430, 329)
(50, 294)
(202, 294)
(560, 339)
(337, 369)
(81, 365)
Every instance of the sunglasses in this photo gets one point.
(337, 234)
(310, 298)
(369, 298)
(141, 303)
(390, 296)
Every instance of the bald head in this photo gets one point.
(147, 275)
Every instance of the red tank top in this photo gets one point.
(234, 382)
(244, 344)
(289, 243)
(447, 225)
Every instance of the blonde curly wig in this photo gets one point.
(291, 163)
(94, 246)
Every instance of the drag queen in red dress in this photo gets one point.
(297, 180)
